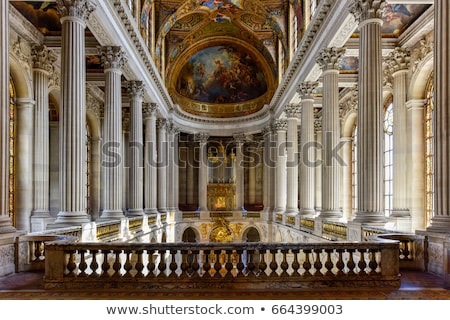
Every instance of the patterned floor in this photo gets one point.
(414, 286)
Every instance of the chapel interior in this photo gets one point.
(293, 143)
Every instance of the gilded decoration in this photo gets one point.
(221, 230)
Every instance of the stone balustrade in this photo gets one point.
(230, 266)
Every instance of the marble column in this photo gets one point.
(113, 59)
(239, 140)
(307, 92)
(329, 60)
(161, 125)
(172, 167)
(150, 166)
(318, 164)
(252, 174)
(441, 219)
(5, 222)
(269, 169)
(398, 65)
(24, 163)
(370, 208)
(280, 127)
(416, 181)
(347, 175)
(190, 182)
(43, 60)
(74, 15)
(136, 149)
(292, 114)
(203, 172)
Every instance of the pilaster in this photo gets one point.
(150, 158)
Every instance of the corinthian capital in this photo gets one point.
(307, 89)
(112, 57)
(292, 111)
(43, 58)
(149, 110)
(330, 58)
(398, 60)
(136, 89)
(75, 8)
(367, 9)
(280, 125)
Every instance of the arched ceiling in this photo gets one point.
(220, 56)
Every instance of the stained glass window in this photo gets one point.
(388, 158)
(12, 136)
(429, 154)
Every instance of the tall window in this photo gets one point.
(388, 157)
(354, 170)
(429, 154)
(88, 169)
(12, 151)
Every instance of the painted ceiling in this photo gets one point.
(217, 58)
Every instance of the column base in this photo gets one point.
(400, 213)
(69, 219)
(331, 214)
(150, 211)
(306, 212)
(292, 211)
(6, 225)
(440, 224)
(40, 221)
(135, 212)
(370, 217)
(111, 215)
(400, 223)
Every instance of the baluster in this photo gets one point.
(127, 266)
(162, 264)
(173, 264)
(295, 264)
(273, 265)
(184, 264)
(36, 250)
(329, 264)
(229, 264)
(105, 265)
(351, 262)
(240, 265)
(117, 265)
(82, 266)
(194, 265)
(307, 264)
(318, 264)
(206, 265)
(340, 263)
(94, 264)
(217, 264)
(71, 265)
(139, 265)
(151, 264)
(284, 265)
(373, 265)
(362, 262)
(262, 264)
(250, 264)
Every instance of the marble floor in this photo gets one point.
(414, 286)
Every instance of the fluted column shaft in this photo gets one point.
(203, 172)
(172, 174)
(347, 174)
(318, 166)
(416, 181)
(136, 146)
(281, 179)
(43, 60)
(161, 125)
(292, 114)
(307, 92)
(113, 59)
(252, 178)
(150, 165)
(441, 219)
(370, 113)
(24, 163)
(398, 64)
(5, 222)
(329, 60)
(190, 183)
(269, 169)
(239, 140)
(73, 112)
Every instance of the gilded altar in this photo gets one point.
(221, 196)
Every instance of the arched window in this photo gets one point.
(12, 150)
(354, 170)
(429, 154)
(388, 157)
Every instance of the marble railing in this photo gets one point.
(230, 266)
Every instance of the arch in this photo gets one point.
(419, 80)
(190, 234)
(251, 234)
(349, 123)
(22, 80)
